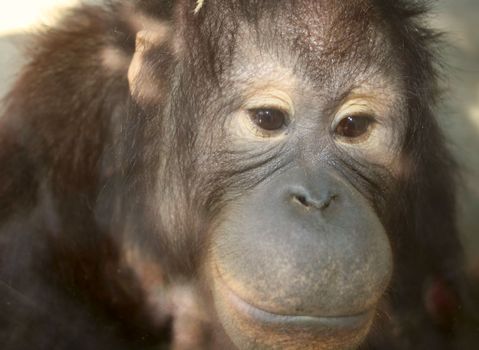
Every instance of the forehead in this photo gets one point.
(324, 41)
(327, 31)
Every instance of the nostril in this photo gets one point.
(324, 203)
(308, 202)
(301, 200)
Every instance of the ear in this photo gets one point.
(136, 64)
(145, 73)
(144, 80)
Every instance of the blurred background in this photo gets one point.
(459, 109)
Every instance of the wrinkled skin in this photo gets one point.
(228, 174)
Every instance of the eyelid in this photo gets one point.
(270, 99)
(354, 108)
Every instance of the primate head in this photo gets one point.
(283, 135)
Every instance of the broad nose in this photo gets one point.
(308, 191)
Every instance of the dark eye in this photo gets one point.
(268, 118)
(354, 126)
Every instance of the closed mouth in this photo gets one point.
(346, 323)
(305, 322)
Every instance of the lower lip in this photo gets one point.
(315, 323)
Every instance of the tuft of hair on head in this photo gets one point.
(199, 5)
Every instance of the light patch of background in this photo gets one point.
(21, 14)
(17, 19)
(459, 111)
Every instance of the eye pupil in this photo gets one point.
(268, 119)
(354, 126)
